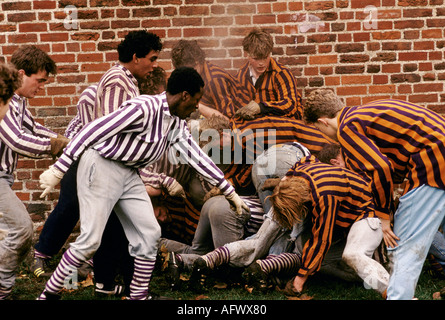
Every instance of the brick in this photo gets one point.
(318, 5)
(324, 59)
(346, 80)
(21, 17)
(350, 47)
(354, 58)
(349, 69)
(16, 6)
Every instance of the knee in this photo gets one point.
(215, 206)
(219, 210)
(350, 257)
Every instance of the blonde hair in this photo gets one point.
(321, 103)
(289, 201)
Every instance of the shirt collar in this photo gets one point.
(127, 73)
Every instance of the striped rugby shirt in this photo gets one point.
(21, 135)
(391, 140)
(275, 90)
(85, 111)
(222, 91)
(340, 197)
(116, 86)
(138, 134)
(255, 134)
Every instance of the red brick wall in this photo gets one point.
(392, 49)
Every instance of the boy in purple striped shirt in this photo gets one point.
(135, 135)
(137, 56)
(21, 135)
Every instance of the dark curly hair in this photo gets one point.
(10, 81)
(139, 42)
(184, 79)
(187, 53)
(32, 59)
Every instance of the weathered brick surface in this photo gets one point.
(362, 49)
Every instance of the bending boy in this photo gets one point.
(135, 135)
(390, 141)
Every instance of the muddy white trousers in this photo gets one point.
(363, 239)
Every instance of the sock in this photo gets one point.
(217, 257)
(63, 273)
(285, 262)
(143, 270)
(38, 254)
(4, 293)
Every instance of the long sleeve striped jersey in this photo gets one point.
(138, 134)
(21, 135)
(275, 90)
(85, 111)
(391, 140)
(116, 86)
(222, 91)
(339, 197)
(253, 137)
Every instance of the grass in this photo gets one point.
(324, 295)
(319, 287)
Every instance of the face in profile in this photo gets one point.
(32, 84)
(188, 104)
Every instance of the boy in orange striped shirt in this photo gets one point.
(339, 202)
(391, 141)
(272, 86)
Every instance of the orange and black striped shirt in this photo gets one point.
(390, 140)
(222, 91)
(339, 197)
(253, 137)
(275, 90)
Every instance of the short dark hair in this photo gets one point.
(187, 53)
(139, 42)
(10, 81)
(185, 79)
(32, 59)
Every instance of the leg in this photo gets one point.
(112, 258)
(363, 239)
(98, 191)
(15, 246)
(419, 215)
(135, 212)
(226, 225)
(274, 163)
(62, 220)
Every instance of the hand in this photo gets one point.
(49, 179)
(299, 283)
(270, 183)
(174, 188)
(291, 287)
(249, 111)
(237, 203)
(57, 145)
(389, 237)
(215, 191)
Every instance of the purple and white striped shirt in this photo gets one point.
(85, 111)
(21, 135)
(116, 86)
(139, 133)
